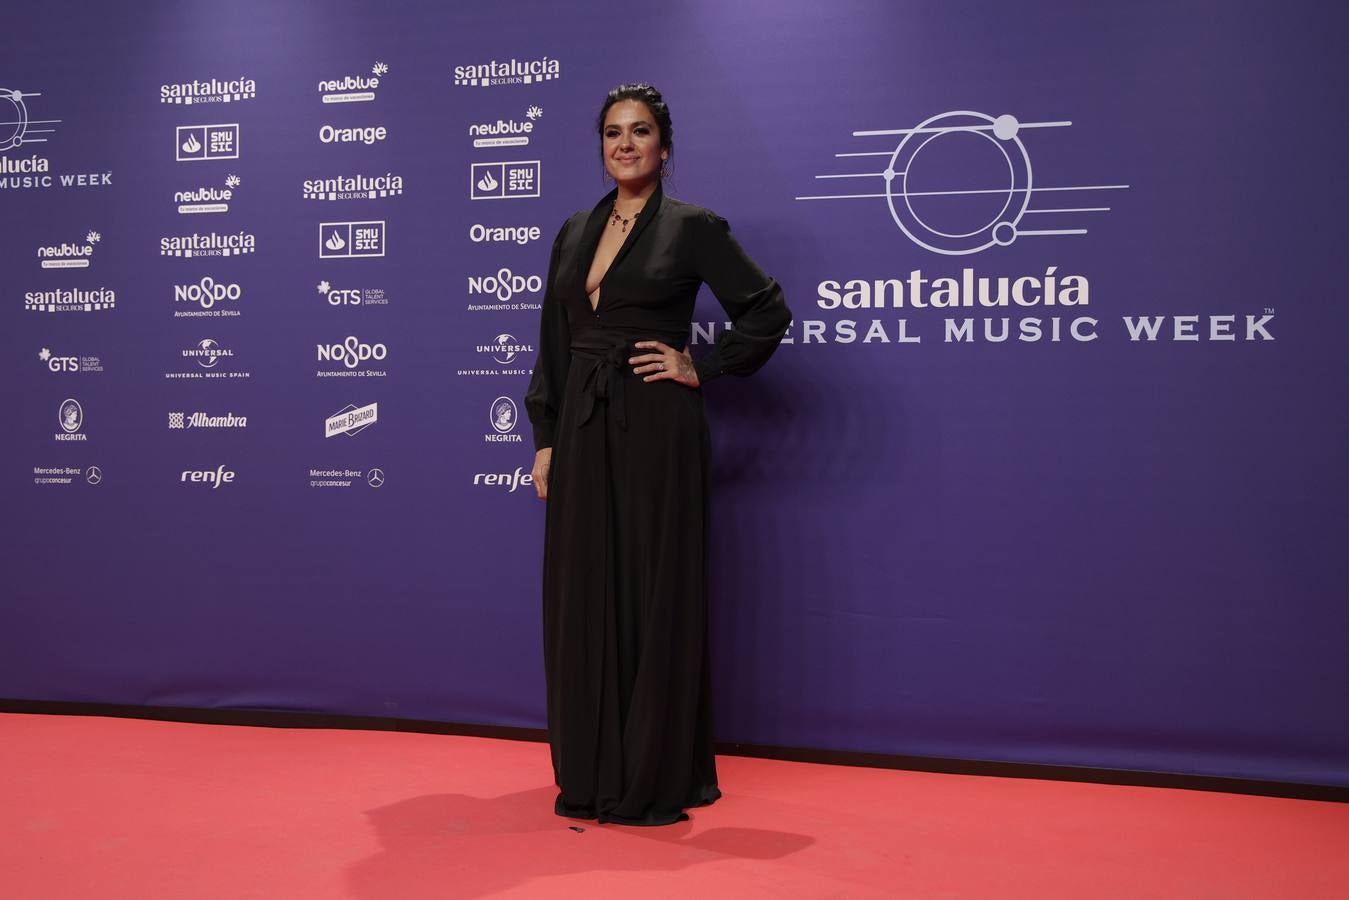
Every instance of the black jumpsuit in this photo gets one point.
(625, 541)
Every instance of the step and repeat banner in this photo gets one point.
(1050, 468)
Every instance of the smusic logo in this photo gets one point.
(196, 143)
(504, 180)
(351, 240)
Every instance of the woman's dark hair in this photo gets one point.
(654, 102)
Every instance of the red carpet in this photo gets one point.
(112, 808)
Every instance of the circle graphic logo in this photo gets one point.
(930, 193)
(93, 474)
(375, 478)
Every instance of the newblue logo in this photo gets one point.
(353, 88)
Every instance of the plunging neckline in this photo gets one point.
(618, 254)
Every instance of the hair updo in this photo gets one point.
(654, 102)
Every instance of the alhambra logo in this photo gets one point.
(512, 71)
(211, 91)
(19, 126)
(209, 244)
(962, 182)
(354, 187)
(354, 88)
(69, 256)
(207, 199)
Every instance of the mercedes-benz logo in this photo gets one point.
(375, 477)
(93, 474)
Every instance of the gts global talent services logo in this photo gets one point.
(353, 88)
(352, 296)
(57, 363)
(213, 90)
(18, 127)
(505, 132)
(197, 143)
(69, 256)
(207, 199)
(513, 71)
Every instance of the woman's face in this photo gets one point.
(631, 144)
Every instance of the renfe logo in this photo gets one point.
(215, 479)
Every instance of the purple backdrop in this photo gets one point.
(1096, 550)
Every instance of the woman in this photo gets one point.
(622, 459)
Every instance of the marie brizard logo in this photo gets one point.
(961, 182)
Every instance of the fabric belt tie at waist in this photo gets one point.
(604, 381)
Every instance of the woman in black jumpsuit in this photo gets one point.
(622, 459)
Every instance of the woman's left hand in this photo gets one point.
(664, 362)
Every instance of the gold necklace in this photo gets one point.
(616, 218)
